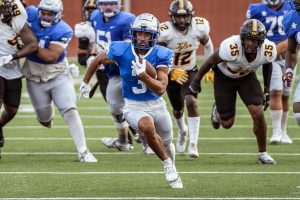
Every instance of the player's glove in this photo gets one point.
(179, 75)
(209, 76)
(84, 90)
(4, 60)
(288, 77)
(85, 29)
(137, 66)
(73, 70)
(195, 87)
(266, 101)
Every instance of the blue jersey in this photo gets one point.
(123, 54)
(59, 33)
(272, 19)
(116, 29)
(291, 22)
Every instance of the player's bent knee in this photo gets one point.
(45, 115)
(178, 113)
(120, 121)
(297, 118)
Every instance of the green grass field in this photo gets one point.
(39, 163)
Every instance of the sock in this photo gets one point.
(194, 126)
(170, 149)
(284, 119)
(276, 116)
(74, 123)
(181, 124)
(262, 153)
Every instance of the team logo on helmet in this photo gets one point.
(181, 13)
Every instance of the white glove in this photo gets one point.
(4, 60)
(73, 70)
(101, 46)
(85, 29)
(89, 61)
(137, 66)
(84, 90)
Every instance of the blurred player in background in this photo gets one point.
(291, 22)
(183, 34)
(234, 65)
(13, 27)
(112, 24)
(271, 15)
(145, 109)
(47, 72)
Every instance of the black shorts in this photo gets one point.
(177, 92)
(226, 89)
(10, 91)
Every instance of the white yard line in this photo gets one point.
(150, 198)
(139, 153)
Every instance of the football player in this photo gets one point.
(291, 22)
(112, 24)
(271, 15)
(235, 63)
(13, 26)
(145, 109)
(183, 34)
(47, 74)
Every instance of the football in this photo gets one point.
(150, 70)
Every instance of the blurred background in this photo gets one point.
(225, 17)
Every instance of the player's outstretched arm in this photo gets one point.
(212, 60)
(29, 40)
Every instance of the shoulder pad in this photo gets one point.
(164, 52)
(269, 50)
(118, 48)
(202, 25)
(230, 48)
(94, 15)
(165, 32)
(254, 9)
(126, 16)
(32, 13)
(288, 22)
(62, 31)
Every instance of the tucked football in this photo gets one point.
(150, 69)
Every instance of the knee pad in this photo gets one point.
(83, 43)
(120, 121)
(297, 118)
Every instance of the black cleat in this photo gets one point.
(213, 118)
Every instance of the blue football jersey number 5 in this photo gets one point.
(139, 90)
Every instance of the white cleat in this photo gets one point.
(193, 150)
(285, 138)
(148, 151)
(170, 170)
(86, 156)
(266, 159)
(114, 143)
(177, 184)
(181, 141)
(276, 137)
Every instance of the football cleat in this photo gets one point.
(148, 151)
(193, 150)
(266, 159)
(86, 156)
(181, 141)
(213, 118)
(285, 138)
(276, 137)
(114, 143)
(170, 170)
(177, 184)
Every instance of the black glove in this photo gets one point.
(195, 87)
(266, 101)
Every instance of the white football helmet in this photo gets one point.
(274, 2)
(109, 11)
(54, 6)
(147, 23)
